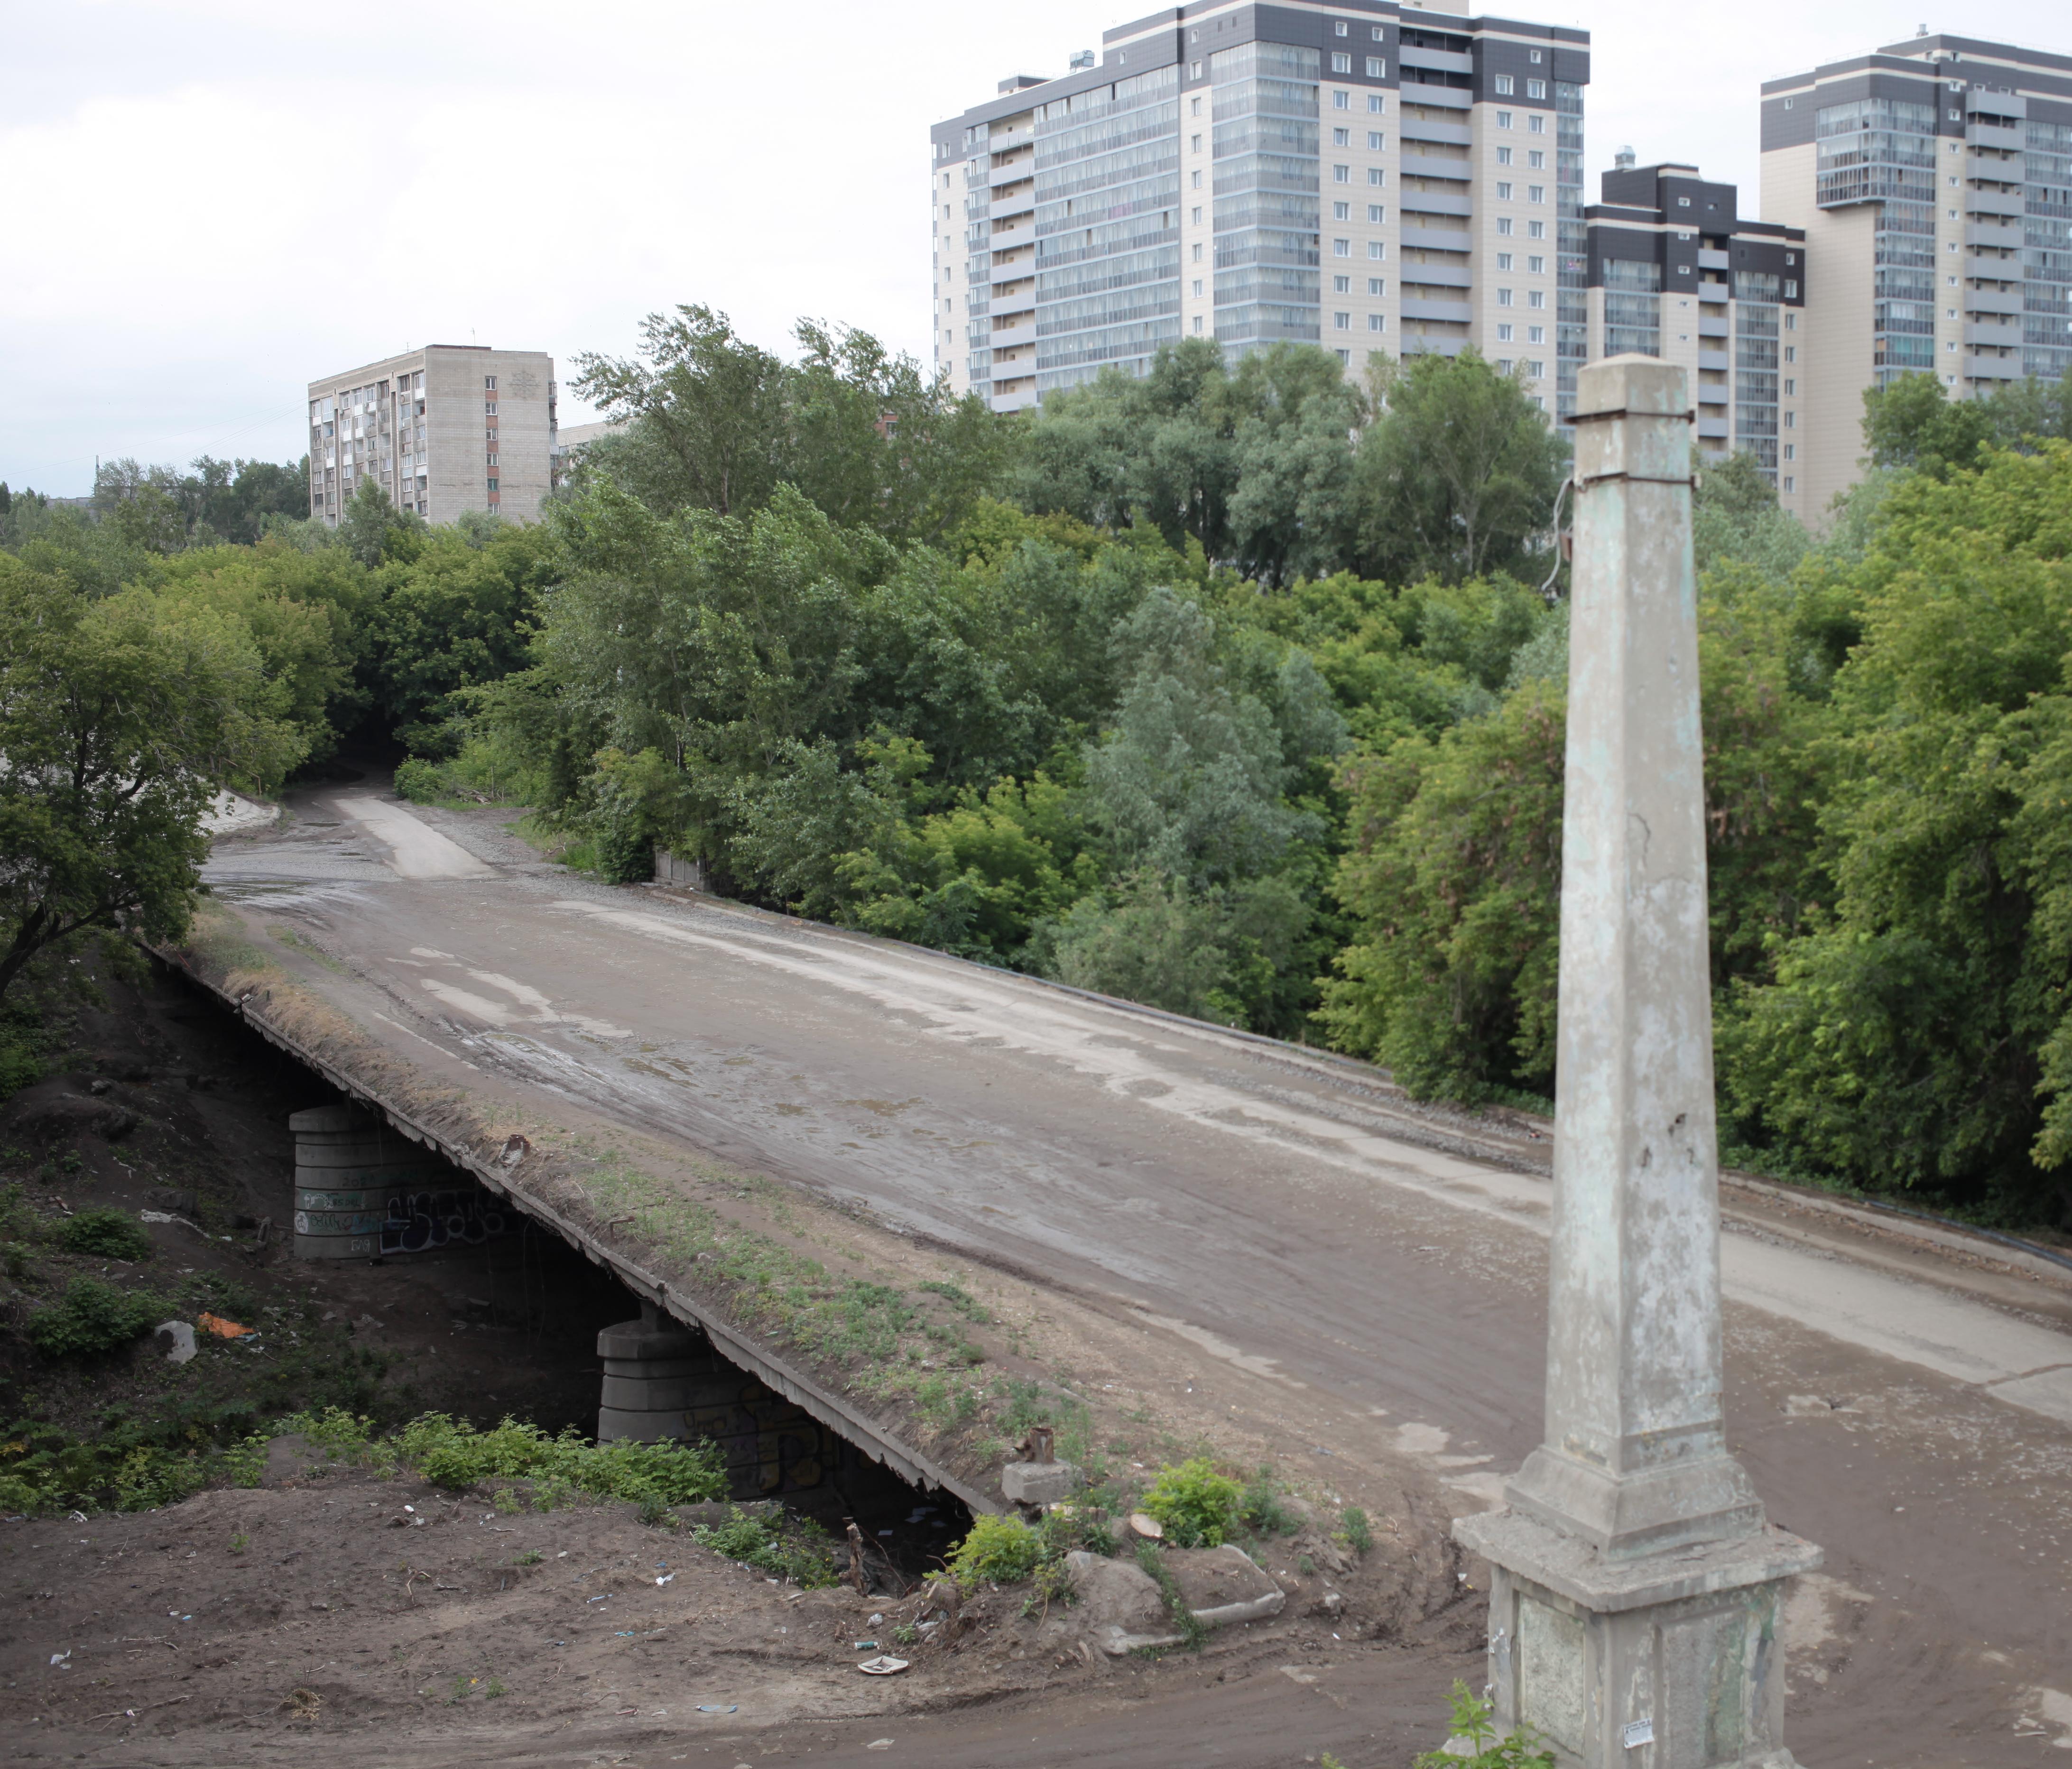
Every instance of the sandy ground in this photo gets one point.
(322, 1615)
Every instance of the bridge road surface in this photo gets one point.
(1262, 1200)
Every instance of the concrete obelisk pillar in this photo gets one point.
(1634, 1614)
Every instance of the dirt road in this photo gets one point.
(1284, 1214)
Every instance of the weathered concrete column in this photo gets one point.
(1633, 1615)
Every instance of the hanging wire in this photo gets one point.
(1565, 489)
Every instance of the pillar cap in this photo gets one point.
(1645, 386)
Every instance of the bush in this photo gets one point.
(113, 1234)
(795, 1549)
(92, 1317)
(1004, 1550)
(418, 781)
(1262, 1510)
(1354, 1531)
(451, 1452)
(1485, 1750)
(1199, 1507)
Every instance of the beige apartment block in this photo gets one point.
(1675, 272)
(441, 430)
(1929, 177)
(1374, 177)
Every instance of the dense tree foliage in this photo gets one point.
(1228, 689)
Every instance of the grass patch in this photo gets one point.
(110, 1233)
(1191, 1632)
(765, 1536)
(131, 1465)
(92, 1317)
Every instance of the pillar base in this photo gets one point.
(1680, 1653)
(1673, 1504)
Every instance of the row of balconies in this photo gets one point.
(1420, 129)
(1995, 235)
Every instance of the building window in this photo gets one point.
(1790, 484)
(1535, 369)
(1535, 298)
(1340, 28)
(1536, 335)
(1791, 321)
(1536, 58)
(1375, 214)
(1504, 85)
(492, 485)
(1376, 176)
(1375, 286)
(1378, 34)
(1790, 418)
(1536, 266)
(1195, 144)
(1342, 248)
(1342, 321)
(1536, 193)
(1198, 215)
(1504, 156)
(489, 381)
(1197, 181)
(1341, 63)
(1535, 88)
(1503, 225)
(1376, 104)
(1197, 322)
(1790, 289)
(1376, 67)
(1791, 451)
(1503, 119)
(1503, 297)
(1341, 100)
(1376, 322)
(1375, 141)
(1198, 252)
(1536, 158)
(1503, 192)
(1342, 137)
(1198, 286)
(1341, 174)
(1791, 387)
(1376, 250)
(1504, 333)
(1538, 124)
(1194, 71)
(1342, 212)
(1342, 285)
(1504, 261)
(1503, 365)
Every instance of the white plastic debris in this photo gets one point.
(884, 1665)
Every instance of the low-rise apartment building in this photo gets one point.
(1369, 176)
(1675, 272)
(1933, 178)
(444, 430)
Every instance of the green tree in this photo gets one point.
(373, 527)
(1735, 516)
(1910, 421)
(1457, 476)
(117, 722)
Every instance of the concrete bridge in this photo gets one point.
(1272, 1239)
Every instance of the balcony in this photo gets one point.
(1454, 275)
(1710, 260)
(1412, 128)
(1714, 291)
(1432, 203)
(2000, 334)
(1448, 61)
(1429, 166)
(1721, 359)
(1992, 368)
(1711, 326)
(1457, 313)
(1986, 301)
(1712, 429)
(1436, 239)
(2006, 141)
(1990, 205)
(1022, 331)
(1018, 202)
(1015, 399)
(1992, 234)
(1445, 97)
(1007, 239)
(1013, 172)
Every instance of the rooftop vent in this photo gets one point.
(1083, 58)
(1622, 160)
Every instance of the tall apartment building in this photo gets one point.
(1675, 272)
(1934, 180)
(443, 429)
(1367, 176)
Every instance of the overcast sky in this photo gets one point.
(211, 202)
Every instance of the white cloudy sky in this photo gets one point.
(211, 201)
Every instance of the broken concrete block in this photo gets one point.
(1224, 1586)
(1114, 1593)
(175, 1339)
(1039, 1482)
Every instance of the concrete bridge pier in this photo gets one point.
(1635, 1612)
(665, 1382)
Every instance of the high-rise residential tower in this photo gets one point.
(443, 429)
(1369, 176)
(1675, 272)
(1934, 180)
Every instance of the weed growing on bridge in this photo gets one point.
(765, 1536)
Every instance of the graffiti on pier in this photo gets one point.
(419, 1220)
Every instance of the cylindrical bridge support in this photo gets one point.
(348, 1167)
